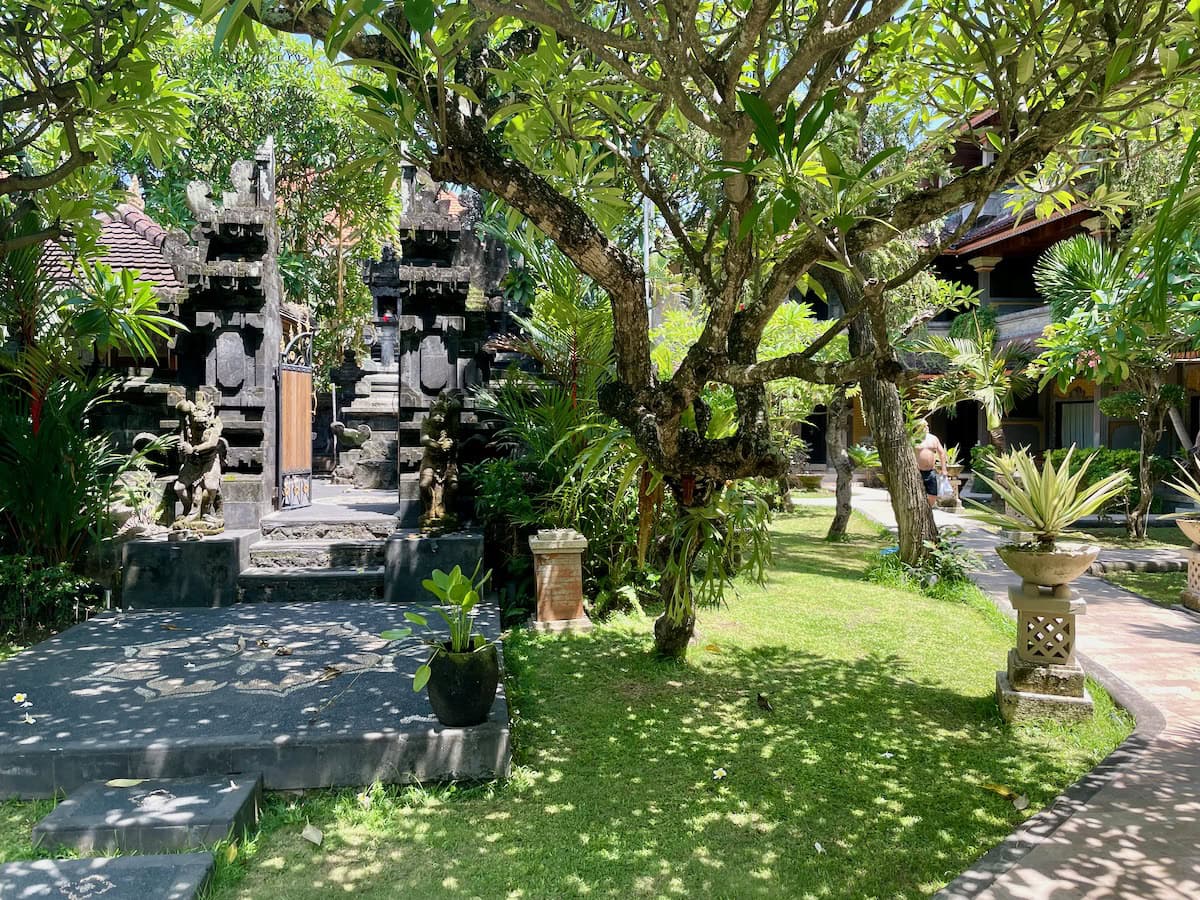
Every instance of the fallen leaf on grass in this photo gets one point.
(817, 846)
(313, 835)
(1019, 801)
(712, 648)
(123, 782)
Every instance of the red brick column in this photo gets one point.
(558, 571)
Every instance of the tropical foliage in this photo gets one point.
(978, 370)
(1120, 315)
(1045, 502)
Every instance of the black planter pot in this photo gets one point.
(462, 686)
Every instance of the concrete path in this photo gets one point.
(1131, 829)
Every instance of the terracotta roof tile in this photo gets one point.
(129, 239)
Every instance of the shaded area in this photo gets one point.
(308, 694)
(866, 777)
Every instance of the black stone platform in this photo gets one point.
(179, 876)
(307, 694)
(153, 816)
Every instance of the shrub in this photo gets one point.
(973, 323)
(981, 459)
(948, 562)
(1105, 462)
(36, 597)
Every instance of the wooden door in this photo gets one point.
(295, 423)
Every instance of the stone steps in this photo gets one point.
(171, 876)
(313, 527)
(152, 815)
(317, 554)
(299, 584)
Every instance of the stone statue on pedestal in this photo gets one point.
(439, 463)
(198, 485)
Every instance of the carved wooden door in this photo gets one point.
(295, 423)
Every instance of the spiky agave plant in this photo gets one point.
(1045, 502)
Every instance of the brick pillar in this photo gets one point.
(558, 571)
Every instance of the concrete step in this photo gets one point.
(152, 815)
(317, 554)
(319, 525)
(300, 585)
(171, 876)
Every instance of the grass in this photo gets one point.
(1161, 587)
(1157, 537)
(866, 780)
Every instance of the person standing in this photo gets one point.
(931, 455)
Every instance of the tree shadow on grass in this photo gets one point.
(647, 778)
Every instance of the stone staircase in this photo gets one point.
(169, 823)
(309, 555)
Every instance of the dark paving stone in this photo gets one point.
(179, 876)
(202, 692)
(156, 815)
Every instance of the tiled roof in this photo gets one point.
(1007, 226)
(129, 239)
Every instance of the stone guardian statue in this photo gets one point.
(439, 463)
(198, 485)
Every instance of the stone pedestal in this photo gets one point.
(1043, 679)
(558, 571)
(411, 556)
(1191, 593)
(169, 572)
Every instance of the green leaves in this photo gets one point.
(1046, 502)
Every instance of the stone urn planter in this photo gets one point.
(805, 481)
(1191, 591)
(1052, 568)
(1043, 679)
(462, 686)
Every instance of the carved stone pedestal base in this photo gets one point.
(1191, 594)
(1043, 679)
(1027, 706)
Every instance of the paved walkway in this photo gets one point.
(1131, 829)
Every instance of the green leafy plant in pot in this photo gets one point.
(1045, 504)
(1188, 520)
(463, 672)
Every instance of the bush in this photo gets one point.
(947, 563)
(973, 323)
(1105, 462)
(981, 459)
(39, 597)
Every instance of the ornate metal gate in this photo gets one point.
(295, 422)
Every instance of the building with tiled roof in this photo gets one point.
(129, 239)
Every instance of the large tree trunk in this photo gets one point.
(837, 421)
(673, 629)
(885, 417)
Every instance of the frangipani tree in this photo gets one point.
(730, 119)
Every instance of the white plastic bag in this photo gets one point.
(945, 488)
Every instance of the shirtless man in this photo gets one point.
(930, 454)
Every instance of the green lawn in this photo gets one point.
(1161, 587)
(866, 779)
(1157, 537)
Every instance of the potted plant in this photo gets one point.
(866, 458)
(1045, 504)
(462, 673)
(1189, 520)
